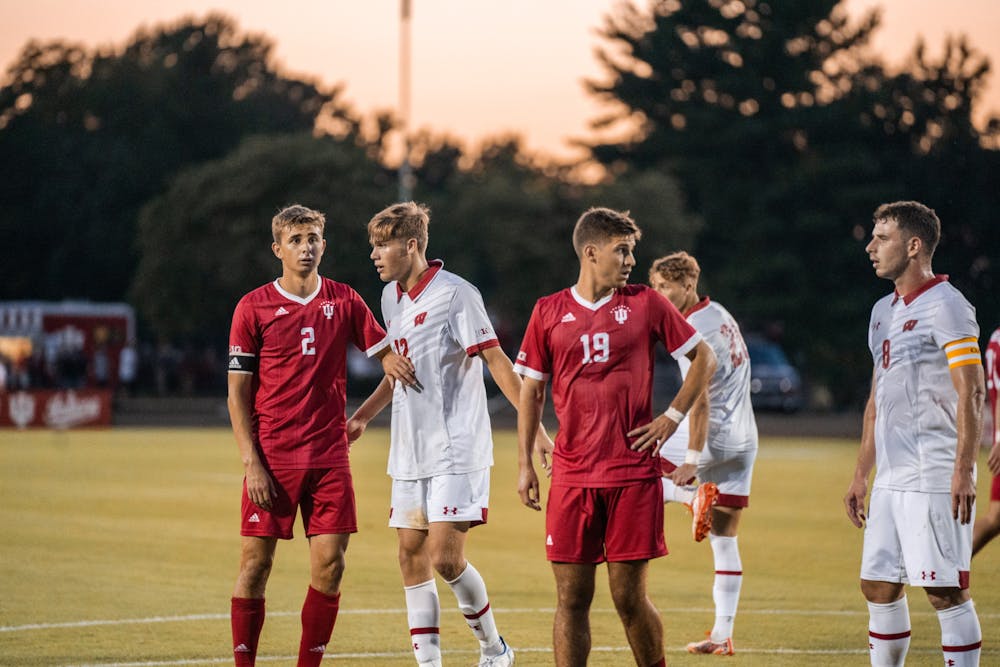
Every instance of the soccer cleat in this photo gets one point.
(505, 659)
(709, 647)
(701, 510)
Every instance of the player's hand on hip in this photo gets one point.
(854, 502)
(994, 460)
(527, 487)
(400, 369)
(684, 474)
(260, 486)
(652, 436)
(355, 427)
(963, 496)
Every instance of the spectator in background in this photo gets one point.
(128, 367)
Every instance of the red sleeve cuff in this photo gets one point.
(479, 347)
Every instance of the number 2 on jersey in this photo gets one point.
(308, 338)
(595, 348)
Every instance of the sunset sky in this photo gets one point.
(479, 68)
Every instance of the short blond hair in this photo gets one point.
(675, 267)
(293, 215)
(406, 220)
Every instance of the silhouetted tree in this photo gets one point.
(88, 136)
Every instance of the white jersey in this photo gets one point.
(915, 340)
(731, 423)
(440, 325)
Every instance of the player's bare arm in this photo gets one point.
(374, 404)
(854, 500)
(994, 459)
(260, 486)
(509, 382)
(698, 434)
(652, 435)
(970, 385)
(398, 368)
(529, 411)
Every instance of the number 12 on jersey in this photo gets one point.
(595, 347)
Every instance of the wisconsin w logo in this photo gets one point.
(909, 324)
(419, 319)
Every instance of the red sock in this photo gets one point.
(247, 618)
(319, 613)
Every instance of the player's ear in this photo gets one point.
(276, 249)
(914, 246)
(590, 252)
(412, 246)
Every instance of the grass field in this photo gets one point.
(120, 547)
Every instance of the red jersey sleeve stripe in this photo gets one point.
(479, 347)
(687, 346)
(377, 347)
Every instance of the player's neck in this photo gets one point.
(915, 276)
(416, 272)
(301, 285)
(589, 288)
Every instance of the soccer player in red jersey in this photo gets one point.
(988, 527)
(595, 340)
(287, 382)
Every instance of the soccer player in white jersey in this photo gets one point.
(921, 434)
(441, 444)
(720, 445)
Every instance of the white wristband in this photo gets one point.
(674, 415)
(691, 456)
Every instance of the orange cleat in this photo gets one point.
(701, 510)
(709, 647)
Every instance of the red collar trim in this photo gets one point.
(698, 306)
(909, 298)
(433, 267)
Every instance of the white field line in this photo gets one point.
(373, 612)
(525, 649)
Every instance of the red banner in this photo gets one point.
(55, 409)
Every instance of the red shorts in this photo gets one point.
(995, 489)
(326, 496)
(594, 525)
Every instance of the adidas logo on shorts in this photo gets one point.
(548, 541)
(254, 518)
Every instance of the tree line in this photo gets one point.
(758, 135)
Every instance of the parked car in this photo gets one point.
(774, 383)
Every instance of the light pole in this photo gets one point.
(405, 172)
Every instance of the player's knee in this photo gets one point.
(945, 598)
(449, 565)
(255, 567)
(881, 592)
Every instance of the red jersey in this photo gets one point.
(600, 358)
(296, 349)
(993, 376)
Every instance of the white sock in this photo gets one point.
(423, 613)
(676, 494)
(888, 633)
(728, 580)
(961, 636)
(470, 591)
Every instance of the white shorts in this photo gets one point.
(911, 538)
(417, 503)
(731, 471)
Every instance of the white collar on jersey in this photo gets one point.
(587, 304)
(298, 299)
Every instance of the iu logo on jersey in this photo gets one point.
(909, 325)
(327, 307)
(419, 319)
(621, 313)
